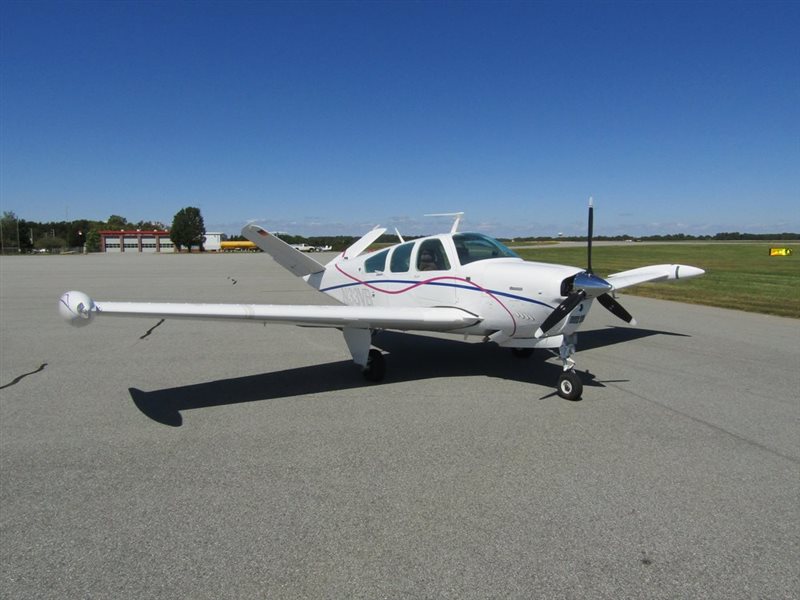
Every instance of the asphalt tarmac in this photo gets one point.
(141, 459)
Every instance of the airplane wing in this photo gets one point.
(78, 309)
(652, 273)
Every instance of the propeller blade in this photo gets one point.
(616, 309)
(560, 311)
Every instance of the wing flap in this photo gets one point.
(652, 273)
(370, 317)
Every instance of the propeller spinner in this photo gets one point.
(585, 285)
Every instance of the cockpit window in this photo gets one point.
(376, 263)
(401, 258)
(431, 256)
(476, 246)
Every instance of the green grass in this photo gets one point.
(513, 245)
(740, 276)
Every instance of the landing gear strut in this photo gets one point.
(371, 361)
(570, 386)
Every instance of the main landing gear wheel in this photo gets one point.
(376, 366)
(570, 385)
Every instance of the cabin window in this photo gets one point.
(471, 247)
(431, 256)
(376, 263)
(401, 258)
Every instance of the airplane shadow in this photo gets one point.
(411, 357)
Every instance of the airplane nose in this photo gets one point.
(590, 283)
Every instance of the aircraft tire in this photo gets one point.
(376, 366)
(570, 386)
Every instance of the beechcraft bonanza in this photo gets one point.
(461, 283)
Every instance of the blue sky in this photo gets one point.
(331, 117)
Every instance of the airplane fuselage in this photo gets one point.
(467, 271)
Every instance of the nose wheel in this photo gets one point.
(570, 386)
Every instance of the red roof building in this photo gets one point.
(136, 241)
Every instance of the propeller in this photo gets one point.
(584, 285)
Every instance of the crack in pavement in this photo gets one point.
(149, 331)
(21, 377)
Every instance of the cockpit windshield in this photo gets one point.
(476, 246)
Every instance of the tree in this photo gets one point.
(117, 222)
(147, 225)
(51, 243)
(9, 231)
(188, 229)
(93, 241)
(76, 233)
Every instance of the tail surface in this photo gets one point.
(361, 244)
(291, 259)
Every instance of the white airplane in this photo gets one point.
(460, 283)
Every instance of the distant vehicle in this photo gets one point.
(306, 248)
(460, 283)
(237, 246)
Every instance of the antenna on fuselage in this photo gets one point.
(399, 237)
(457, 216)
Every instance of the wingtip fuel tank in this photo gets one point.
(76, 308)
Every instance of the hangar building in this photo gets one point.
(148, 241)
(135, 241)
